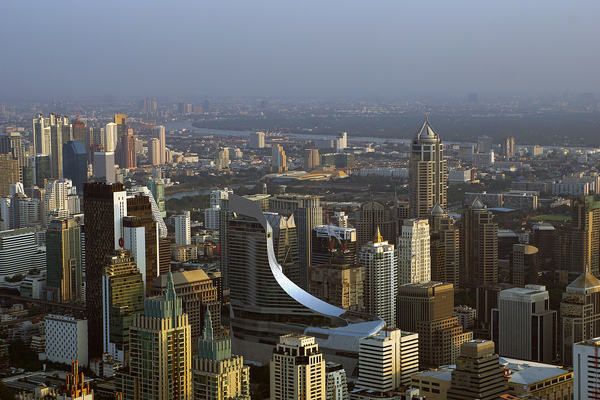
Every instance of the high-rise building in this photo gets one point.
(198, 293)
(20, 253)
(508, 147)
(153, 152)
(38, 169)
(308, 214)
(414, 261)
(12, 143)
(157, 188)
(338, 283)
(9, 173)
(126, 152)
(524, 265)
(312, 159)
(222, 161)
(544, 239)
(586, 369)
(427, 308)
(75, 164)
(164, 256)
(478, 373)
(105, 205)
(60, 133)
(333, 243)
(285, 244)
(109, 138)
(427, 172)
(372, 216)
(487, 298)
(257, 140)
(159, 133)
(278, 159)
(579, 314)
(104, 166)
(122, 298)
(341, 142)
(297, 369)
(478, 246)
(64, 271)
(41, 135)
(441, 225)
(121, 121)
(523, 326)
(387, 360)
(585, 220)
(160, 355)
(484, 144)
(216, 373)
(336, 381)
(381, 278)
(66, 339)
(182, 229)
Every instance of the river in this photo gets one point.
(198, 192)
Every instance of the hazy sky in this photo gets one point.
(297, 48)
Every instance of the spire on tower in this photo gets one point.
(377, 238)
(207, 332)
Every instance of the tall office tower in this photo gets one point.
(75, 164)
(336, 381)
(110, 137)
(157, 188)
(447, 236)
(122, 298)
(372, 216)
(341, 142)
(338, 283)
(585, 220)
(12, 143)
(63, 261)
(523, 326)
(579, 314)
(149, 106)
(285, 244)
(60, 133)
(414, 262)
(121, 121)
(153, 152)
(387, 360)
(524, 265)
(39, 134)
(79, 130)
(428, 309)
(222, 161)
(182, 229)
(478, 373)
(105, 205)
(159, 133)
(426, 172)
(9, 173)
(381, 278)
(160, 355)
(297, 369)
(216, 373)
(544, 238)
(164, 256)
(257, 140)
(487, 298)
(508, 147)
(484, 144)
(278, 159)
(104, 166)
(333, 243)
(437, 252)
(308, 214)
(478, 246)
(126, 152)
(586, 369)
(19, 211)
(38, 169)
(312, 159)
(198, 294)
(57, 199)
(20, 253)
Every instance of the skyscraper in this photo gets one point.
(104, 166)
(478, 373)
(126, 153)
(216, 373)
(381, 278)
(414, 261)
(9, 173)
(508, 147)
(153, 152)
(338, 283)
(371, 217)
(523, 326)
(579, 314)
(160, 353)
(257, 140)
(159, 133)
(442, 225)
(331, 243)
(75, 164)
(312, 159)
(586, 369)
(297, 369)
(278, 159)
(182, 229)
(60, 133)
(478, 246)
(427, 172)
(110, 137)
(63, 261)
(524, 265)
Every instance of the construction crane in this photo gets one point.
(78, 114)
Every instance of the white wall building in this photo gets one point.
(257, 140)
(104, 166)
(211, 217)
(159, 133)
(182, 229)
(337, 384)
(66, 339)
(586, 370)
(414, 262)
(110, 137)
(387, 360)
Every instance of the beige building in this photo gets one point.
(297, 369)
(414, 261)
(434, 383)
(198, 293)
(339, 284)
(9, 173)
(447, 235)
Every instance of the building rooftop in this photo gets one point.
(182, 278)
(529, 372)
(584, 281)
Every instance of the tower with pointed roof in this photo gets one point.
(381, 278)
(414, 260)
(160, 351)
(427, 172)
(478, 246)
(446, 235)
(216, 373)
(579, 313)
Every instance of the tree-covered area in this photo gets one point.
(21, 356)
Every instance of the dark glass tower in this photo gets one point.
(75, 163)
